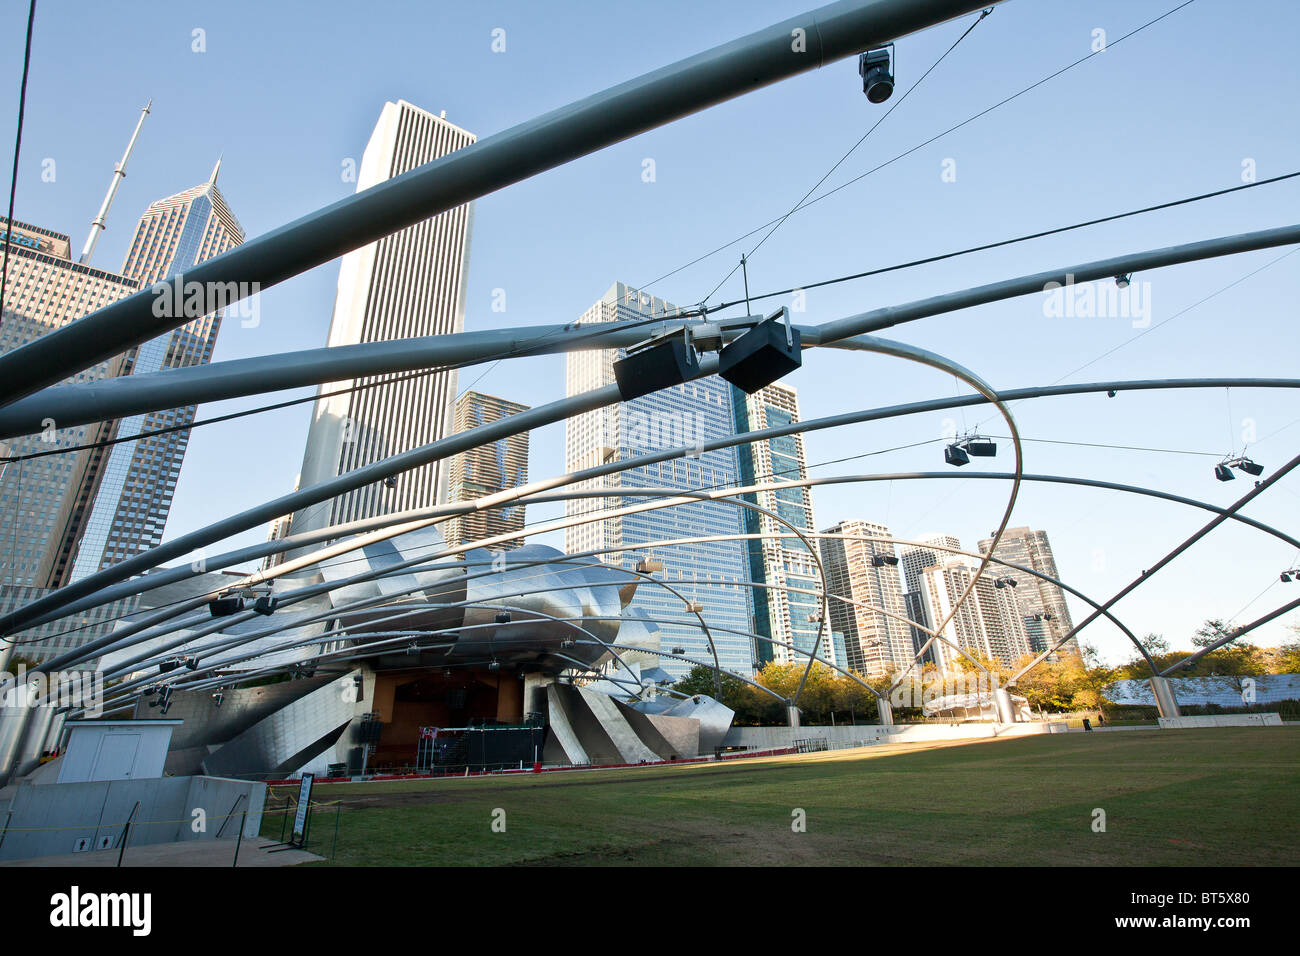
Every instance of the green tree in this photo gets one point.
(1209, 632)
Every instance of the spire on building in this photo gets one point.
(119, 173)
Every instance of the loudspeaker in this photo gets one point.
(654, 367)
(760, 356)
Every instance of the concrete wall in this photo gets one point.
(1224, 720)
(63, 818)
(863, 735)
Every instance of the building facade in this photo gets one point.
(714, 574)
(1041, 602)
(988, 624)
(486, 470)
(129, 493)
(787, 593)
(408, 284)
(47, 289)
(877, 637)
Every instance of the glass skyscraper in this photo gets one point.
(778, 563)
(710, 573)
(130, 486)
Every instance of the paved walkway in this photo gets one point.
(252, 852)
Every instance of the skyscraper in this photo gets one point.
(485, 470)
(987, 625)
(411, 283)
(1042, 602)
(65, 516)
(779, 562)
(46, 290)
(710, 573)
(133, 482)
(915, 559)
(877, 638)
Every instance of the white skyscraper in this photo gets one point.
(988, 625)
(411, 283)
(877, 638)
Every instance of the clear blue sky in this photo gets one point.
(288, 92)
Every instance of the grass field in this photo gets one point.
(1222, 796)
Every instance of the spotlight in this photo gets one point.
(1286, 577)
(877, 76)
(494, 666)
(567, 643)
(503, 617)
(880, 560)
(218, 696)
(762, 355)
(191, 663)
(266, 604)
(679, 650)
(654, 364)
(1124, 279)
(390, 481)
(225, 606)
(956, 456)
(1110, 393)
(1223, 472)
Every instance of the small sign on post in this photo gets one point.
(299, 837)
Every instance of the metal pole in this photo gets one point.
(239, 838)
(133, 394)
(171, 575)
(795, 46)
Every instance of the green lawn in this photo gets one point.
(1222, 796)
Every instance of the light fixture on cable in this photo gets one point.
(876, 69)
(961, 451)
(1223, 470)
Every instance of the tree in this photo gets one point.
(1155, 644)
(1209, 632)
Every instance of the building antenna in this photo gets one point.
(119, 173)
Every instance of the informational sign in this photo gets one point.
(304, 802)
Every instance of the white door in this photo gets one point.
(116, 758)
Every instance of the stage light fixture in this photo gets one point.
(877, 74)
(955, 456)
(266, 604)
(1223, 472)
(225, 606)
(1123, 280)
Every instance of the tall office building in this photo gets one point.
(711, 573)
(47, 289)
(778, 561)
(877, 638)
(915, 559)
(485, 470)
(411, 283)
(988, 624)
(65, 516)
(128, 498)
(1041, 602)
